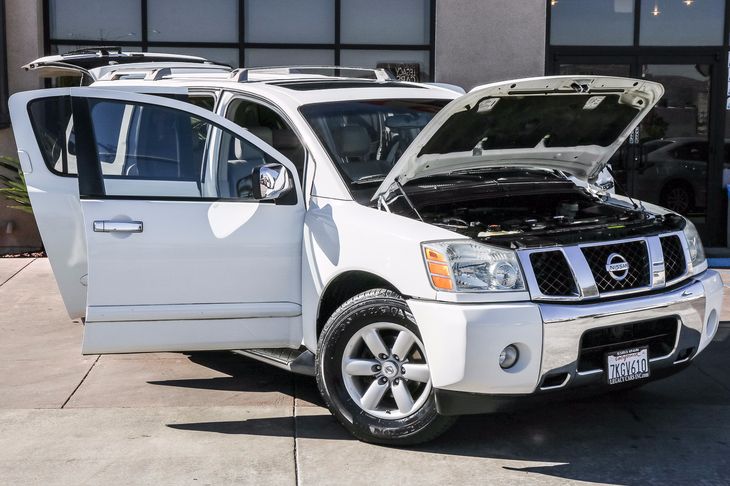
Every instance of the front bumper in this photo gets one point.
(463, 341)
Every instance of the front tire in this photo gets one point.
(373, 374)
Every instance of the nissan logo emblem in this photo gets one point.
(617, 266)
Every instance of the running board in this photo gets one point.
(300, 361)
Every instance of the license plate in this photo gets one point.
(627, 365)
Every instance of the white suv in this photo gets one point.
(424, 254)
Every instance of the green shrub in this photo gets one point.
(13, 186)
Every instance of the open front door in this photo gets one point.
(181, 256)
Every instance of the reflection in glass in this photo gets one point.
(621, 70)
(673, 155)
(681, 23)
(385, 22)
(257, 57)
(103, 20)
(592, 22)
(290, 21)
(192, 20)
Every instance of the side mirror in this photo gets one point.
(271, 181)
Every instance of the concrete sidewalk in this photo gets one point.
(217, 418)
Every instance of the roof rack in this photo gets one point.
(241, 75)
(152, 73)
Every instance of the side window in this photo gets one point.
(135, 141)
(53, 126)
(53, 129)
(148, 150)
(237, 159)
(267, 125)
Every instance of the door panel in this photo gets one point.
(180, 256)
(53, 189)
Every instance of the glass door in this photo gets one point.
(675, 158)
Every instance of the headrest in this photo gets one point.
(352, 140)
(240, 150)
(264, 133)
(285, 139)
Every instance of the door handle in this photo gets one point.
(117, 226)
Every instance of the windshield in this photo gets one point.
(366, 138)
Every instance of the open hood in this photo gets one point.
(89, 61)
(568, 123)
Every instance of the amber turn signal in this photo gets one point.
(438, 269)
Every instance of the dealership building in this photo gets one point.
(677, 157)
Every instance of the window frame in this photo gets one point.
(241, 44)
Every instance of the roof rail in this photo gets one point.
(241, 75)
(152, 73)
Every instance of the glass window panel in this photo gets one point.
(371, 59)
(290, 21)
(385, 22)
(193, 20)
(237, 160)
(621, 70)
(685, 23)
(592, 22)
(62, 49)
(216, 54)
(103, 20)
(674, 174)
(289, 57)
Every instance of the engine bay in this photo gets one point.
(527, 208)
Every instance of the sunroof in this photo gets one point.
(339, 84)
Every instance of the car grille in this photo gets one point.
(636, 255)
(674, 263)
(552, 273)
(659, 335)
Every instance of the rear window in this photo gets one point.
(53, 129)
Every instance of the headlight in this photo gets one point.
(696, 250)
(468, 266)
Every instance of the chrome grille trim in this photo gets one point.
(585, 280)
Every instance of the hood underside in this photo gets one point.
(567, 123)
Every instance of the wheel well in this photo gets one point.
(343, 287)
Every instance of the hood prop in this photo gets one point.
(384, 204)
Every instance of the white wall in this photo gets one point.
(480, 41)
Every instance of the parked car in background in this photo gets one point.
(673, 173)
(424, 253)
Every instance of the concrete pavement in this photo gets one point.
(217, 418)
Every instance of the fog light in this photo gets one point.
(508, 357)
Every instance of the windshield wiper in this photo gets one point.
(369, 178)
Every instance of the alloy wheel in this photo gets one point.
(385, 372)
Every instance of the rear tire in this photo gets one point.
(372, 372)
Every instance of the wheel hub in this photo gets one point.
(390, 369)
(385, 372)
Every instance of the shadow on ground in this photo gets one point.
(671, 431)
